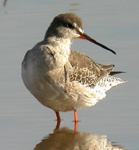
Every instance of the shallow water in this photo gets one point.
(24, 121)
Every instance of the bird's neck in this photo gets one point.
(60, 47)
(54, 41)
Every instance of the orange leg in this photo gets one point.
(57, 125)
(76, 127)
(76, 116)
(76, 121)
(58, 116)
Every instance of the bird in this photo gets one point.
(61, 78)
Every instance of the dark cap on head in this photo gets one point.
(69, 18)
(63, 20)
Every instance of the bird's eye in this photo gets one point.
(69, 25)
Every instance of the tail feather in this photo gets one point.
(109, 81)
(116, 72)
(106, 84)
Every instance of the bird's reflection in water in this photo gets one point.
(66, 139)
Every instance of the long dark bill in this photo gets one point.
(85, 36)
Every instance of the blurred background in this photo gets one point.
(24, 122)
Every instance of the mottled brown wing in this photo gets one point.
(85, 70)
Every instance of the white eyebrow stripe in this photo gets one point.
(75, 25)
(80, 30)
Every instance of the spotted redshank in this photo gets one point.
(62, 79)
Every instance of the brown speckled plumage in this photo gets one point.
(87, 71)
